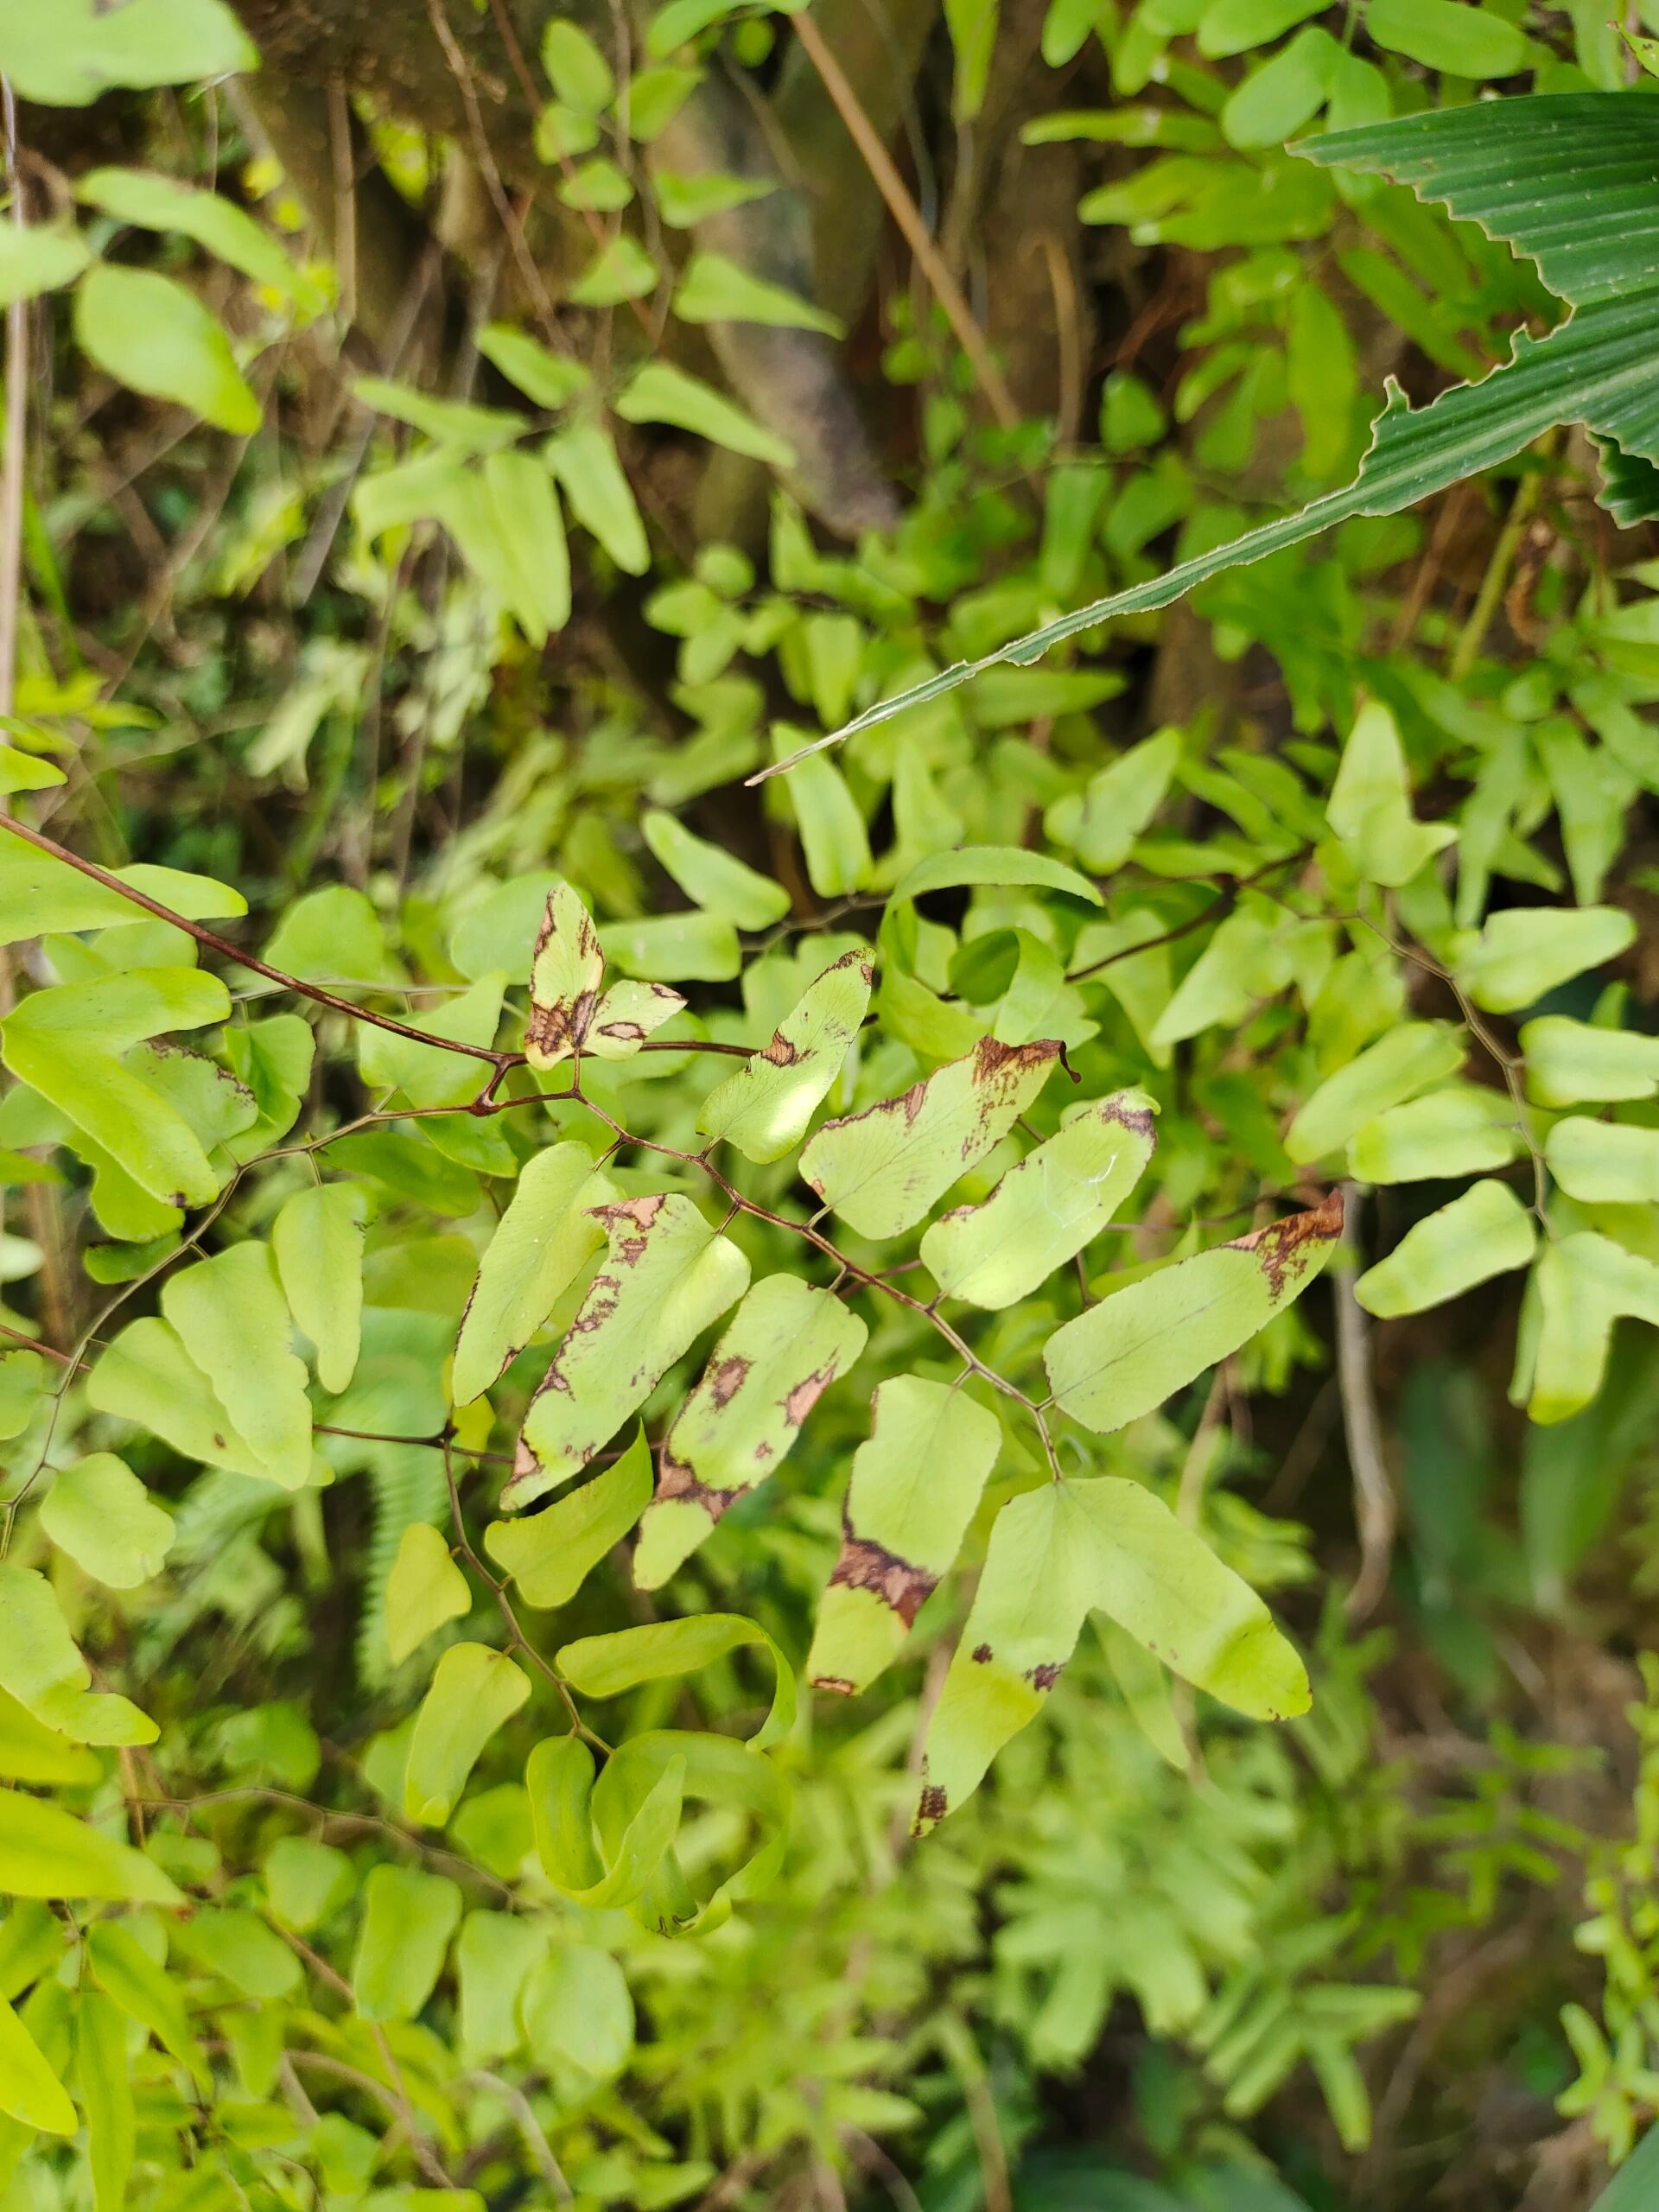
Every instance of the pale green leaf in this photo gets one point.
(1463, 1130)
(1604, 1163)
(1484, 1232)
(1047, 1209)
(155, 202)
(606, 1666)
(1369, 806)
(67, 55)
(915, 1487)
(306, 1881)
(1128, 1354)
(551, 380)
(152, 336)
(1412, 1057)
(408, 1919)
(145, 1992)
(453, 422)
(542, 1243)
(495, 1953)
(1100, 824)
(1582, 1284)
(99, 1512)
(662, 393)
(665, 1277)
(688, 948)
(474, 1692)
(1525, 952)
(550, 1554)
(576, 69)
(105, 2086)
(835, 841)
(1570, 1063)
(41, 1666)
(29, 2091)
(764, 1107)
(30, 1751)
(146, 1377)
(317, 1241)
(584, 459)
(881, 1170)
(713, 288)
(577, 2012)
(777, 1356)
(34, 260)
(232, 1319)
(713, 878)
(424, 1590)
(993, 864)
(47, 1852)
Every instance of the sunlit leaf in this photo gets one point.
(764, 1107)
(1484, 1232)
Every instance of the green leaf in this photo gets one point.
(1581, 1285)
(667, 948)
(665, 1277)
(1414, 1056)
(1275, 101)
(1127, 1355)
(1631, 2188)
(916, 1485)
(652, 98)
(1462, 41)
(577, 2012)
(834, 840)
(1047, 1209)
(47, 1852)
(559, 1777)
(606, 1666)
(317, 1242)
(452, 422)
(152, 336)
(685, 201)
(551, 380)
(67, 1043)
(146, 1377)
(67, 56)
(494, 1955)
(159, 203)
(541, 1244)
(620, 270)
(1484, 1232)
(550, 1554)
(232, 1320)
(576, 69)
(1604, 1163)
(29, 2091)
(30, 1751)
(714, 289)
(24, 1388)
(1461, 1131)
(34, 261)
(39, 893)
(1369, 806)
(881, 1170)
(306, 1881)
(408, 1919)
(99, 1512)
(993, 864)
(1101, 822)
(584, 459)
(782, 1349)
(661, 393)
(1593, 369)
(236, 1945)
(41, 1666)
(106, 2089)
(424, 1590)
(474, 1692)
(1229, 27)
(1525, 952)
(713, 878)
(145, 1993)
(1057, 1554)
(1570, 1063)
(764, 1107)
(527, 532)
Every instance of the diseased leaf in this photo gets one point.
(551, 1553)
(1048, 1208)
(566, 970)
(233, 1323)
(1127, 1355)
(542, 1243)
(779, 1353)
(1484, 1232)
(424, 1590)
(317, 1242)
(408, 1919)
(915, 1487)
(881, 1170)
(474, 1692)
(665, 1277)
(764, 1107)
(99, 1512)
(1057, 1552)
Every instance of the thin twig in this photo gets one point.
(1375, 1511)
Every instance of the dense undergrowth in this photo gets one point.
(743, 1471)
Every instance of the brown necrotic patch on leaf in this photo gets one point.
(1043, 1677)
(675, 1480)
(930, 1808)
(1139, 1121)
(981, 1654)
(900, 1586)
(807, 1392)
(1281, 1247)
(726, 1380)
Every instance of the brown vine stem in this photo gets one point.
(908, 217)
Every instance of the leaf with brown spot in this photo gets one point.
(916, 1484)
(1048, 1208)
(881, 1170)
(1059, 1552)
(1140, 1344)
(542, 1243)
(566, 970)
(764, 1107)
(665, 1276)
(781, 1350)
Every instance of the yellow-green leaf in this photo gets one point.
(1485, 1231)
